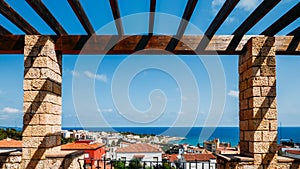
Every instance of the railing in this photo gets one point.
(137, 164)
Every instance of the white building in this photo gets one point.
(144, 152)
(292, 153)
(194, 161)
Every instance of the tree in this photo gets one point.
(119, 164)
(10, 133)
(135, 163)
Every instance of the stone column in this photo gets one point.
(258, 108)
(42, 100)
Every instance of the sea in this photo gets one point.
(195, 135)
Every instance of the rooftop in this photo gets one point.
(81, 146)
(139, 148)
(10, 143)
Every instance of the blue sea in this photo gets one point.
(194, 135)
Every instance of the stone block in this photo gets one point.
(32, 73)
(268, 91)
(31, 119)
(263, 51)
(244, 125)
(27, 84)
(272, 81)
(57, 89)
(45, 85)
(30, 96)
(273, 125)
(257, 159)
(258, 81)
(244, 104)
(269, 136)
(242, 86)
(273, 102)
(259, 147)
(268, 70)
(258, 102)
(253, 135)
(259, 125)
(269, 113)
(244, 146)
(42, 62)
(243, 67)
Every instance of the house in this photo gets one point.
(143, 152)
(7, 145)
(92, 150)
(193, 161)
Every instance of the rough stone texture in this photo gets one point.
(42, 101)
(258, 108)
(10, 160)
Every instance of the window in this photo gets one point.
(123, 158)
(155, 158)
(86, 155)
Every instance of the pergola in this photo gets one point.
(257, 68)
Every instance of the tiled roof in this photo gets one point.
(10, 143)
(190, 157)
(81, 146)
(139, 148)
(297, 152)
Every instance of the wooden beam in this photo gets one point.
(46, 15)
(252, 19)
(283, 21)
(97, 44)
(152, 16)
(4, 31)
(224, 12)
(189, 10)
(117, 17)
(16, 19)
(296, 40)
(82, 17)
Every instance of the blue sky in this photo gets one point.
(169, 91)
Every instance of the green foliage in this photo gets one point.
(141, 135)
(135, 163)
(167, 166)
(10, 133)
(119, 164)
(67, 140)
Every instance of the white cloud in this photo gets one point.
(101, 77)
(230, 19)
(10, 110)
(105, 110)
(75, 73)
(248, 5)
(233, 93)
(3, 116)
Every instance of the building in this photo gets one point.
(92, 150)
(8, 145)
(143, 152)
(193, 161)
(215, 146)
(293, 153)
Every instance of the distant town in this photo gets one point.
(124, 149)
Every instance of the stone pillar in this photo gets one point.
(258, 109)
(42, 101)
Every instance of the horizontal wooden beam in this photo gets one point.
(114, 44)
(16, 19)
(4, 31)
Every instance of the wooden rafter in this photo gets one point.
(4, 31)
(97, 44)
(265, 7)
(152, 16)
(17, 19)
(296, 40)
(46, 15)
(144, 40)
(117, 17)
(224, 12)
(82, 17)
(189, 10)
(283, 21)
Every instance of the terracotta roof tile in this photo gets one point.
(138, 148)
(297, 152)
(81, 146)
(10, 143)
(190, 157)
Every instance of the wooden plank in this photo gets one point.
(81, 15)
(116, 13)
(46, 15)
(97, 44)
(152, 16)
(252, 19)
(283, 21)
(296, 40)
(189, 10)
(16, 19)
(4, 31)
(224, 12)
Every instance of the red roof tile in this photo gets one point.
(138, 148)
(297, 152)
(81, 146)
(190, 157)
(10, 143)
